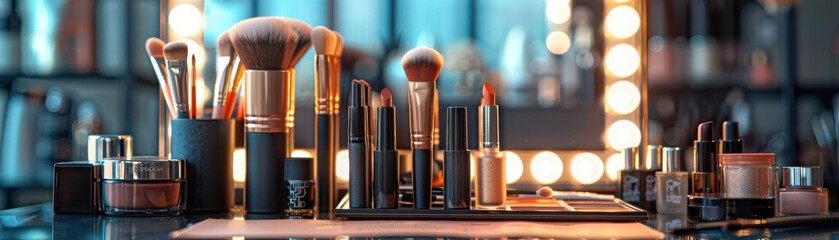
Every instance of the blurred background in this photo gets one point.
(78, 67)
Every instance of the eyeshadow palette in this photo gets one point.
(562, 206)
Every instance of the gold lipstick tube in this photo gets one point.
(268, 101)
(490, 177)
(421, 110)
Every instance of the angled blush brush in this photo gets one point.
(422, 66)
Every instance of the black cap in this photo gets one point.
(456, 138)
(76, 188)
(299, 168)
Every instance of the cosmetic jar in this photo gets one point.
(717, 207)
(748, 175)
(802, 192)
(143, 186)
(300, 185)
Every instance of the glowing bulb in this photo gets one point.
(558, 11)
(623, 97)
(342, 165)
(515, 167)
(622, 22)
(186, 19)
(300, 153)
(622, 134)
(622, 60)
(239, 164)
(558, 42)
(614, 165)
(586, 168)
(546, 167)
(472, 167)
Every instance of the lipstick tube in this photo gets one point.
(704, 176)
(359, 148)
(421, 115)
(325, 129)
(178, 74)
(266, 110)
(386, 161)
(456, 158)
(490, 182)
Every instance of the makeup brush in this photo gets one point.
(339, 44)
(194, 105)
(422, 66)
(304, 32)
(266, 46)
(154, 48)
(176, 54)
(325, 128)
(229, 72)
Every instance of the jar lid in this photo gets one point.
(108, 146)
(143, 168)
(766, 159)
(672, 159)
(653, 157)
(802, 176)
(299, 168)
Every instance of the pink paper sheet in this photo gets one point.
(223, 228)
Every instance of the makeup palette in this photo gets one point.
(521, 206)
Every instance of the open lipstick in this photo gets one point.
(422, 66)
(359, 146)
(704, 160)
(490, 182)
(386, 157)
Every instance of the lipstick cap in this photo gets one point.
(108, 146)
(671, 159)
(299, 168)
(456, 135)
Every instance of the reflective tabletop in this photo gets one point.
(38, 222)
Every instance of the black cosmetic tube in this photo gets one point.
(359, 150)
(730, 141)
(325, 173)
(456, 159)
(422, 178)
(386, 161)
(704, 176)
(265, 190)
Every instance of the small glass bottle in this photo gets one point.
(630, 181)
(300, 186)
(671, 183)
(802, 192)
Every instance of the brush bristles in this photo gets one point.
(422, 64)
(323, 40)
(304, 38)
(154, 47)
(177, 50)
(339, 44)
(264, 43)
(225, 47)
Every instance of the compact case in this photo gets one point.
(143, 186)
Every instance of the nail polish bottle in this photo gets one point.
(652, 162)
(630, 183)
(671, 183)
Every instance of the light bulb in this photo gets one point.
(239, 164)
(622, 60)
(614, 165)
(623, 97)
(586, 168)
(622, 22)
(300, 153)
(186, 19)
(342, 165)
(515, 167)
(558, 11)
(546, 167)
(558, 42)
(622, 134)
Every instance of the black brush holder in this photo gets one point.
(207, 147)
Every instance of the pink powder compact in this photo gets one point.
(143, 186)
